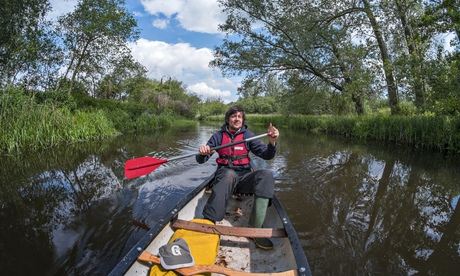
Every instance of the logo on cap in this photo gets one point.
(175, 250)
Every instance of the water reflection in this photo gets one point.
(69, 211)
(357, 209)
(368, 210)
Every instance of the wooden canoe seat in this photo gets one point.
(230, 231)
(188, 271)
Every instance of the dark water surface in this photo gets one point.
(358, 209)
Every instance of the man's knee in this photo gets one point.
(266, 175)
(265, 184)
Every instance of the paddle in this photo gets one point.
(141, 166)
(196, 269)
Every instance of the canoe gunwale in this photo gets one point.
(142, 244)
(303, 268)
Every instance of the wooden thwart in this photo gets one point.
(230, 231)
(186, 271)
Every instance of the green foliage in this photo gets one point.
(27, 124)
(28, 53)
(407, 108)
(148, 122)
(95, 36)
(425, 131)
(258, 104)
(56, 98)
(164, 96)
(210, 108)
(115, 84)
(444, 81)
(449, 106)
(304, 98)
(45, 120)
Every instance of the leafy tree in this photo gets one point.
(443, 70)
(415, 39)
(444, 79)
(115, 84)
(260, 105)
(314, 39)
(28, 52)
(211, 107)
(95, 36)
(385, 56)
(169, 95)
(444, 15)
(307, 98)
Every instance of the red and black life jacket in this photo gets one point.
(236, 155)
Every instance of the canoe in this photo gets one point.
(237, 254)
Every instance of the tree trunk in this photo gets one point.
(358, 101)
(415, 57)
(80, 59)
(356, 97)
(387, 64)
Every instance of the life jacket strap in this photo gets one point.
(233, 158)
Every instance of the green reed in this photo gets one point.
(25, 124)
(421, 131)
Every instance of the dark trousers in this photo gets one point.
(228, 181)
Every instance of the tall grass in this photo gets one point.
(422, 131)
(25, 124)
(35, 122)
(130, 117)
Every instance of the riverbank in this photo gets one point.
(32, 122)
(43, 120)
(440, 133)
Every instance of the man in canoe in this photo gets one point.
(234, 173)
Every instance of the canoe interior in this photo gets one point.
(241, 253)
(238, 253)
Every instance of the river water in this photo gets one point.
(358, 208)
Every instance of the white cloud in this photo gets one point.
(184, 63)
(202, 89)
(168, 8)
(193, 15)
(160, 23)
(138, 14)
(61, 7)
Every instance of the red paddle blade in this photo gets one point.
(142, 166)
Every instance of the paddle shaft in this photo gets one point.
(197, 269)
(143, 165)
(222, 146)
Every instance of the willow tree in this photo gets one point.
(316, 38)
(291, 38)
(95, 37)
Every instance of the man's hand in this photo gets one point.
(205, 150)
(273, 134)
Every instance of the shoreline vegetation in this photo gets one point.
(33, 122)
(75, 79)
(440, 133)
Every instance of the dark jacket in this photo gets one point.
(264, 151)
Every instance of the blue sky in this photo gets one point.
(177, 38)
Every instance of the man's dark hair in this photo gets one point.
(232, 110)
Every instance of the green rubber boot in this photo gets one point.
(259, 210)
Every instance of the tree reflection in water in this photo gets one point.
(358, 209)
(366, 210)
